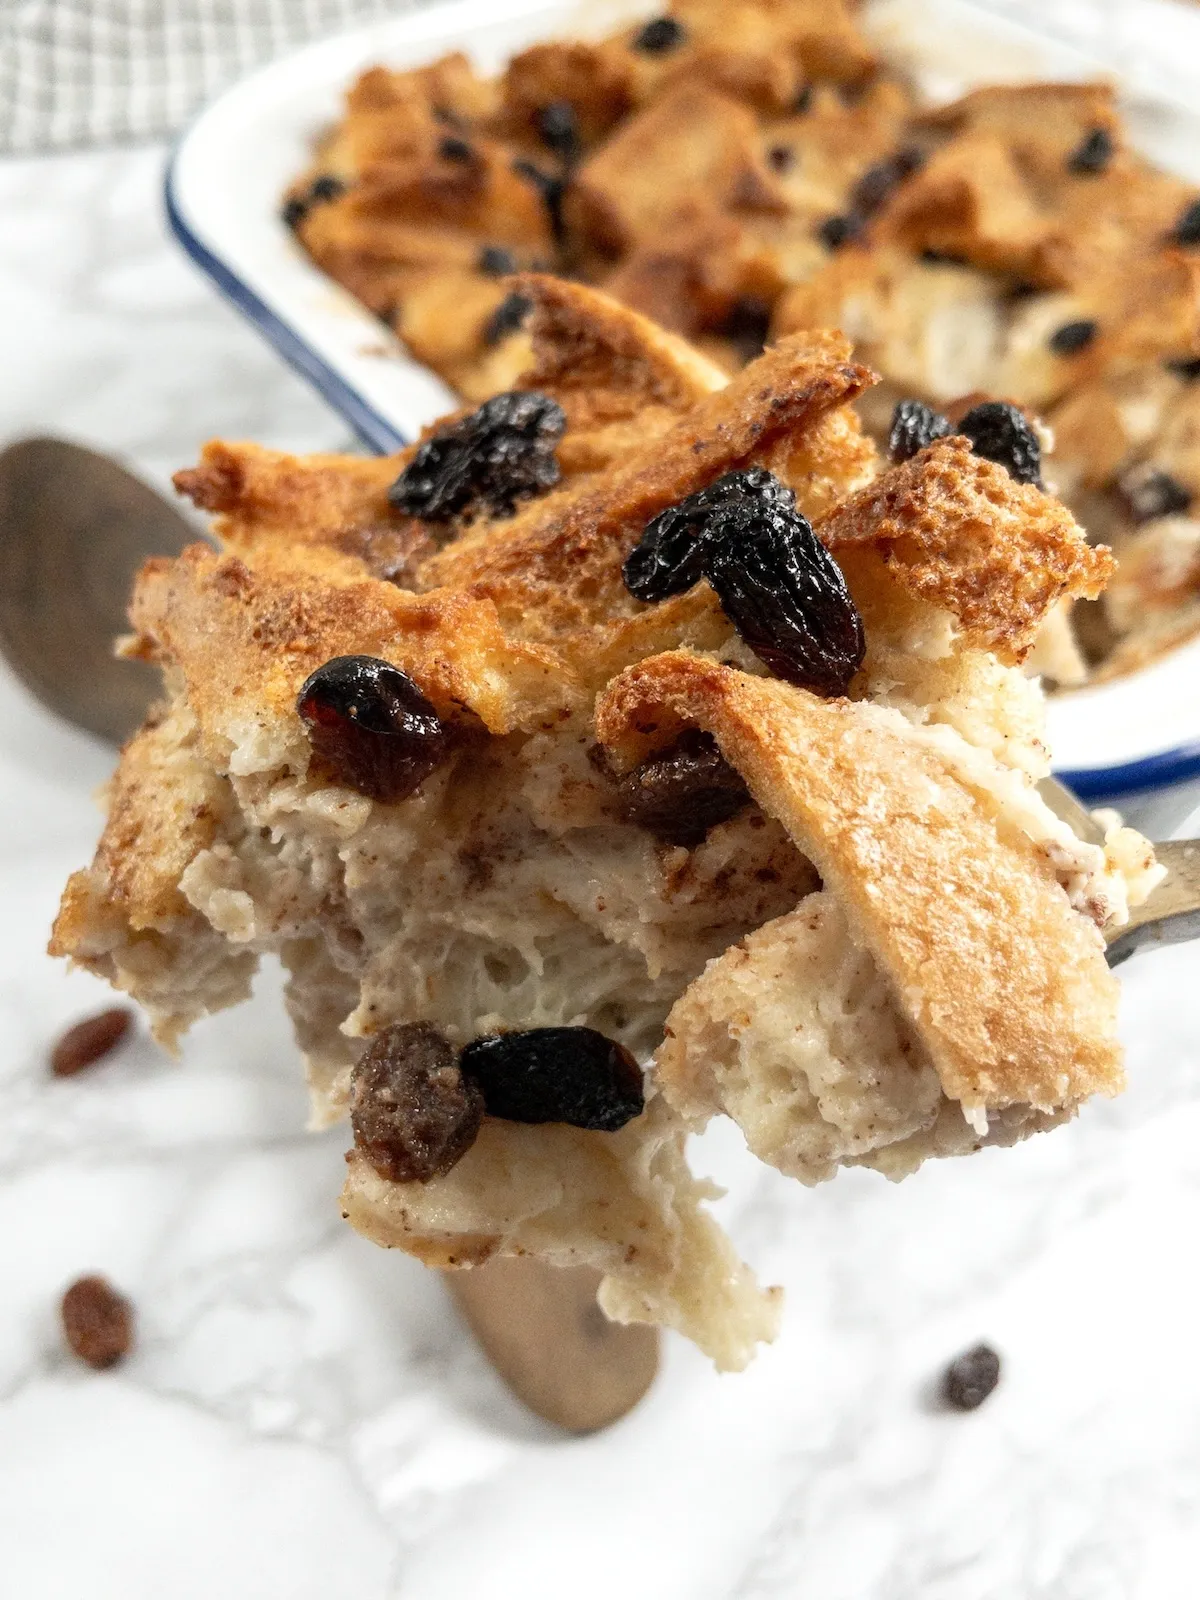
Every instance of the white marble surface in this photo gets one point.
(304, 1419)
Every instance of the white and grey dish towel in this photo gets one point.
(87, 72)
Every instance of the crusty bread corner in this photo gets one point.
(1004, 983)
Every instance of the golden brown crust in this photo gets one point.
(1005, 983)
(959, 531)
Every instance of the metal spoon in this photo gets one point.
(74, 529)
(1171, 913)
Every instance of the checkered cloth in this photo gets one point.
(80, 72)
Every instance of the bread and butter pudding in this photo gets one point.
(739, 171)
(641, 717)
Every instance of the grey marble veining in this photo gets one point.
(304, 1419)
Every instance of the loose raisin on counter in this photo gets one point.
(413, 1113)
(1002, 433)
(372, 726)
(572, 1075)
(1154, 494)
(97, 1322)
(786, 596)
(1073, 337)
(915, 425)
(660, 36)
(90, 1041)
(668, 558)
(1093, 154)
(683, 792)
(1187, 228)
(970, 1378)
(500, 454)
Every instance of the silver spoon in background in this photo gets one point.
(74, 529)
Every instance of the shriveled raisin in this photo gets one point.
(915, 425)
(1073, 337)
(552, 190)
(1185, 367)
(572, 1075)
(667, 559)
(500, 454)
(838, 231)
(97, 1322)
(413, 1112)
(327, 187)
(1002, 433)
(970, 1378)
(509, 315)
(496, 262)
(90, 1041)
(558, 128)
(802, 104)
(747, 325)
(878, 181)
(370, 724)
(452, 148)
(781, 157)
(786, 596)
(294, 211)
(1187, 228)
(1150, 494)
(660, 36)
(683, 792)
(1092, 154)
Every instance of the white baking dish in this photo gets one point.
(1137, 739)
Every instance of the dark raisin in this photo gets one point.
(455, 149)
(572, 1075)
(551, 188)
(294, 211)
(877, 182)
(970, 1378)
(1073, 337)
(837, 231)
(1187, 229)
(496, 262)
(1186, 367)
(668, 558)
(781, 157)
(413, 1112)
(747, 325)
(510, 315)
(943, 258)
(90, 1041)
(1093, 154)
(785, 595)
(1002, 433)
(327, 187)
(499, 454)
(914, 425)
(369, 723)
(682, 793)
(558, 128)
(660, 36)
(97, 1322)
(1151, 494)
(803, 101)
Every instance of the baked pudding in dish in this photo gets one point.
(738, 172)
(639, 747)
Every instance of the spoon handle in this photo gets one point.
(542, 1331)
(1171, 914)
